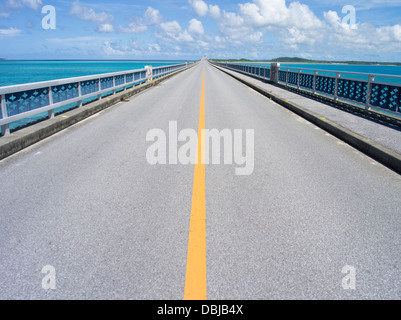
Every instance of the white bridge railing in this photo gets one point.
(26, 100)
(361, 89)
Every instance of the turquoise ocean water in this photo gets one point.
(19, 72)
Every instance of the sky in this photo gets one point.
(367, 30)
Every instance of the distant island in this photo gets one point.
(2, 59)
(302, 60)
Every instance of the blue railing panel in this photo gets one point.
(293, 78)
(119, 80)
(65, 92)
(20, 102)
(268, 73)
(385, 96)
(395, 99)
(325, 84)
(306, 81)
(129, 77)
(88, 87)
(106, 83)
(282, 76)
(352, 90)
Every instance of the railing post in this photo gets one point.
(149, 73)
(79, 94)
(114, 85)
(314, 81)
(369, 92)
(274, 72)
(50, 112)
(299, 79)
(287, 76)
(99, 96)
(5, 128)
(336, 86)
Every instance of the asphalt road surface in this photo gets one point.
(112, 226)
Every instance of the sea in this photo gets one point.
(14, 72)
(19, 72)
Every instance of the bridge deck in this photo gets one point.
(87, 202)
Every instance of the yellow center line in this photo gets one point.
(195, 282)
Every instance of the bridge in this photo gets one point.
(114, 200)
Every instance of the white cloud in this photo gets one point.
(33, 4)
(89, 14)
(4, 14)
(184, 37)
(13, 4)
(263, 13)
(134, 28)
(154, 47)
(112, 49)
(295, 37)
(365, 37)
(171, 27)
(77, 40)
(105, 28)
(7, 7)
(17, 4)
(214, 11)
(153, 16)
(201, 8)
(236, 31)
(11, 32)
(232, 20)
(135, 48)
(195, 27)
(172, 31)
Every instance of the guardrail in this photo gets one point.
(26, 100)
(373, 95)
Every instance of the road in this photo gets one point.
(88, 203)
